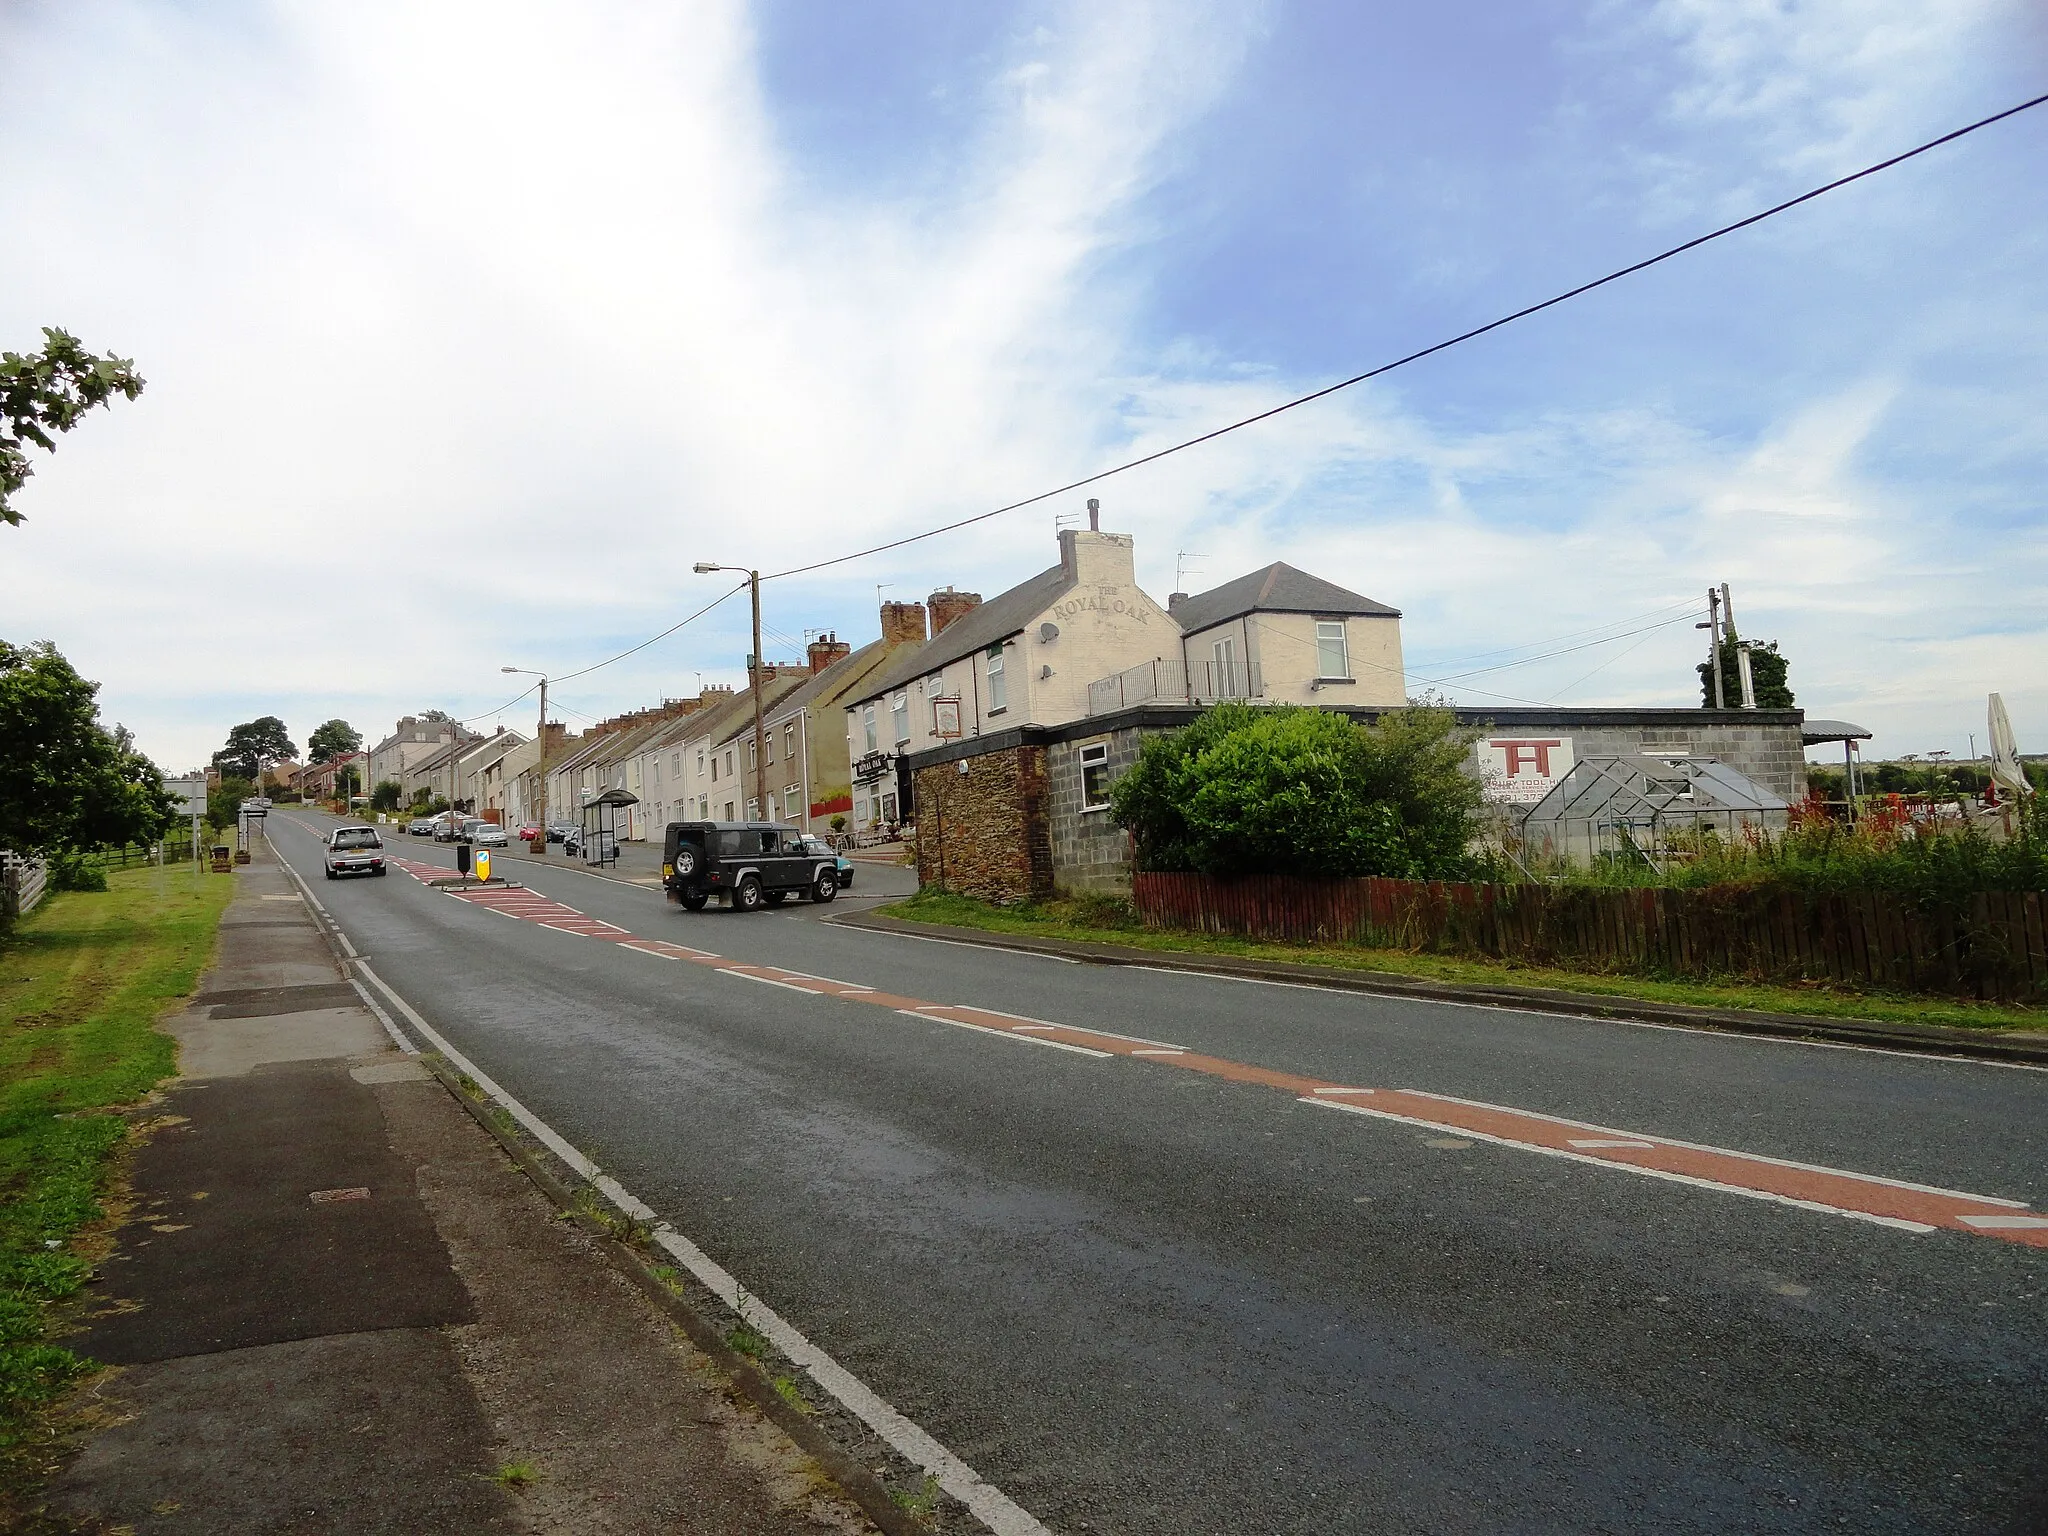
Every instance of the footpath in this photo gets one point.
(336, 1305)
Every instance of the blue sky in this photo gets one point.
(470, 328)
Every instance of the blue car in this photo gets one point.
(816, 845)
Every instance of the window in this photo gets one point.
(675, 765)
(899, 716)
(792, 803)
(998, 690)
(700, 759)
(656, 766)
(728, 810)
(1332, 659)
(1224, 662)
(753, 756)
(753, 810)
(703, 807)
(1095, 776)
(714, 770)
(789, 742)
(728, 762)
(867, 720)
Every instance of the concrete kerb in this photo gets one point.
(859, 1483)
(2029, 1049)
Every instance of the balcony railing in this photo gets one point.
(1174, 682)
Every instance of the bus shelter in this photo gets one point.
(600, 841)
(1651, 809)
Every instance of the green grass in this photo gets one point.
(82, 981)
(1104, 921)
(516, 1475)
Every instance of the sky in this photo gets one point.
(469, 328)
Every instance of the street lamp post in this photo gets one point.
(703, 568)
(539, 845)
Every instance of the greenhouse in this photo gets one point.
(1649, 808)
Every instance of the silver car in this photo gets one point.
(354, 851)
(484, 834)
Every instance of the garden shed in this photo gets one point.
(1634, 807)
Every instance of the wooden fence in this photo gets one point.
(1996, 947)
(22, 884)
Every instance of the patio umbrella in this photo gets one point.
(2006, 771)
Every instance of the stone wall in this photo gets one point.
(983, 833)
(1090, 852)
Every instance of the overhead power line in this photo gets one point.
(1429, 351)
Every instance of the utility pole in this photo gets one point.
(1714, 646)
(703, 567)
(539, 846)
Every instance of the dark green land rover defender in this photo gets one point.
(744, 864)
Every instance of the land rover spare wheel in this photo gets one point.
(686, 860)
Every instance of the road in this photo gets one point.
(1139, 1299)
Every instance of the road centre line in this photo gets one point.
(1896, 1203)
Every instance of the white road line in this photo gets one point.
(988, 1503)
(1751, 1157)
(2007, 1223)
(770, 981)
(1612, 1163)
(1177, 1051)
(1586, 1143)
(1001, 1034)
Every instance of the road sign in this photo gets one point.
(483, 863)
(190, 794)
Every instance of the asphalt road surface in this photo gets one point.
(1146, 1300)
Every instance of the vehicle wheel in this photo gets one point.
(827, 886)
(332, 875)
(747, 895)
(686, 860)
(775, 898)
(695, 902)
(381, 873)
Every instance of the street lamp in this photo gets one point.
(704, 568)
(539, 845)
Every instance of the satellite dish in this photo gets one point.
(1047, 633)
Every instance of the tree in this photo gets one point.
(334, 739)
(1766, 670)
(68, 783)
(385, 796)
(224, 801)
(45, 392)
(1287, 790)
(253, 747)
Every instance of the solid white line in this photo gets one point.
(1000, 1034)
(925, 938)
(1606, 1162)
(769, 981)
(1749, 1157)
(1178, 1052)
(2004, 1223)
(989, 1504)
(1589, 1142)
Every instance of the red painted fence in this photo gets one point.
(1997, 948)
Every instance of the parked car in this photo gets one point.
(485, 834)
(421, 826)
(558, 831)
(819, 848)
(354, 851)
(605, 845)
(529, 832)
(745, 864)
(458, 829)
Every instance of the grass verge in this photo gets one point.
(1102, 921)
(82, 981)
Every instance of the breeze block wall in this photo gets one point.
(1090, 852)
(983, 833)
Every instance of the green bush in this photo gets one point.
(385, 796)
(1290, 790)
(71, 871)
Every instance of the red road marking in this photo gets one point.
(1869, 1197)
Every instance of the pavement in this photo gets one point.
(1094, 1242)
(334, 1304)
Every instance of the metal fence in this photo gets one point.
(1993, 946)
(22, 884)
(1175, 681)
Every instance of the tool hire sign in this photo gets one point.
(1520, 770)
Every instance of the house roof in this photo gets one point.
(976, 630)
(738, 718)
(1276, 588)
(847, 672)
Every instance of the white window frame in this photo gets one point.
(1324, 637)
(867, 720)
(998, 683)
(899, 717)
(1095, 787)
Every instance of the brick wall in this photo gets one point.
(1770, 754)
(983, 833)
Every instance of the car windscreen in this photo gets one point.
(356, 837)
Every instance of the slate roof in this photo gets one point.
(1277, 588)
(976, 630)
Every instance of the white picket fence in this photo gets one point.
(22, 883)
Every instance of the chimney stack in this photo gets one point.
(1094, 515)
(825, 650)
(1174, 600)
(903, 623)
(949, 605)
